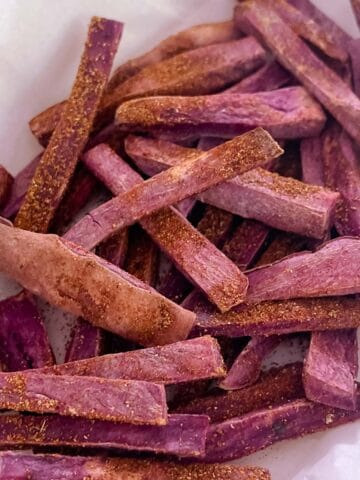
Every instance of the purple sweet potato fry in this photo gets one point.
(320, 80)
(241, 436)
(19, 188)
(183, 436)
(23, 339)
(247, 367)
(311, 161)
(338, 35)
(285, 113)
(282, 203)
(342, 173)
(333, 269)
(183, 41)
(6, 181)
(354, 52)
(23, 466)
(219, 279)
(276, 317)
(142, 256)
(194, 359)
(86, 342)
(197, 174)
(269, 77)
(331, 367)
(203, 70)
(87, 286)
(115, 248)
(246, 242)
(127, 401)
(57, 164)
(273, 388)
(309, 30)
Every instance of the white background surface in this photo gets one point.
(40, 45)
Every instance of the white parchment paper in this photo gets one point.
(40, 45)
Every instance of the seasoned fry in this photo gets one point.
(126, 401)
(286, 113)
(57, 164)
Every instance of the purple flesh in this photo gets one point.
(247, 367)
(274, 387)
(275, 317)
(297, 57)
(142, 256)
(6, 182)
(183, 436)
(286, 113)
(246, 242)
(128, 401)
(282, 203)
(19, 188)
(87, 286)
(26, 466)
(241, 436)
(331, 367)
(86, 342)
(23, 338)
(269, 77)
(194, 359)
(333, 269)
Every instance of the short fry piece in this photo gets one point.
(6, 181)
(23, 338)
(247, 367)
(86, 342)
(331, 368)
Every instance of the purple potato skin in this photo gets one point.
(183, 436)
(195, 359)
(331, 367)
(286, 113)
(23, 337)
(133, 309)
(293, 54)
(20, 466)
(282, 203)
